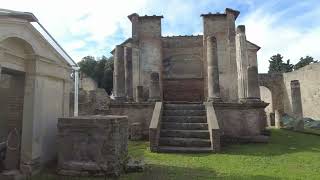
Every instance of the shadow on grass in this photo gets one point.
(281, 142)
(159, 172)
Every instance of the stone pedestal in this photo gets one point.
(213, 70)
(154, 90)
(136, 131)
(139, 94)
(296, 99)
(92, 145)
(277, 119)
(253, 84)
(242, 63)
(128, 73)
(119, 74)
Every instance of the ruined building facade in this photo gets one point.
(205, 87)
(181, 62)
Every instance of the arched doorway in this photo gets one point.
(15, 62)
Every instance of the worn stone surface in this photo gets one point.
(213, 70)
(136, 131)
(242, 63)
(92, 145)
(154, 89)
(119, 74)
(128, 73)
(136, 112)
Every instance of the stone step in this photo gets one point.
(184, 142)
(184, 107)
(185, 119)
(203, 134)
(184, 126)
(184, 112)
(176, 149)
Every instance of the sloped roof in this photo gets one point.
(31, 18)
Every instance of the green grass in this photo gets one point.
(289, 155)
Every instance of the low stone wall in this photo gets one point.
(241, 120)
(92, 145)
(136, 112)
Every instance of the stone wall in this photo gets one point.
(309, 78)
(136, 112)
(241, 120)
(279, 85)
(92, 145)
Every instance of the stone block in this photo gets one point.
(92, 145)
(136, 131)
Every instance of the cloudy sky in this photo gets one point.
(82, 27)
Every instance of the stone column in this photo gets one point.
(242, 62)
(296, 99)
(0, 71)
(139, 94)
(277, 119)
(128, 73)
(213, 70)
(253, 84)
(154, 90)
(119, 74)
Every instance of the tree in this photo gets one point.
(108, 75)
(304, 61)
(100, 69)
(87, 65)
(277, 64)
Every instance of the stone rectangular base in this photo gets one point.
(92, 145)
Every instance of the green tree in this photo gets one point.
(304, 61)
(277, 64)
(108, 75)
(87, 65)
(100, 69)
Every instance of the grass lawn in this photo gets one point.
(289, 155)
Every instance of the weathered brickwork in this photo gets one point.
(92, 145)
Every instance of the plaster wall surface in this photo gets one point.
(46, 88)
(308, 77)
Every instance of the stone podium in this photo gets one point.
(92, 145)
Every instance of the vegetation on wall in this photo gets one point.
(100, 69)
(277, 65)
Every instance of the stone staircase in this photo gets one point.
(184, 128)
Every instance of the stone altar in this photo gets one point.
(92, 145)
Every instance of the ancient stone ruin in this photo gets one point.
(92, 145)
(205, 87)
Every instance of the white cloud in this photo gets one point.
(275, 34)
(94, 25)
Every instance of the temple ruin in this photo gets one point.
(205, 87)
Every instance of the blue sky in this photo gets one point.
(288, 27)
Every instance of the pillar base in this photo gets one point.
(120, 99)
(214, 99)
(154, 99)
(130, 99)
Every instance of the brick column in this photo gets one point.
(128, 73)
(242, 62)
(139, 94)
(296, 99)
(119, 74)
(253, 84)
(213, 70)
(154, 89)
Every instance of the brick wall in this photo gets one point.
(183, 90)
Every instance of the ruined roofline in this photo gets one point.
(227, 10)
(183, 36)
(143, 17)
(123, 43)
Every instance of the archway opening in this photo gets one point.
(266, 96)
